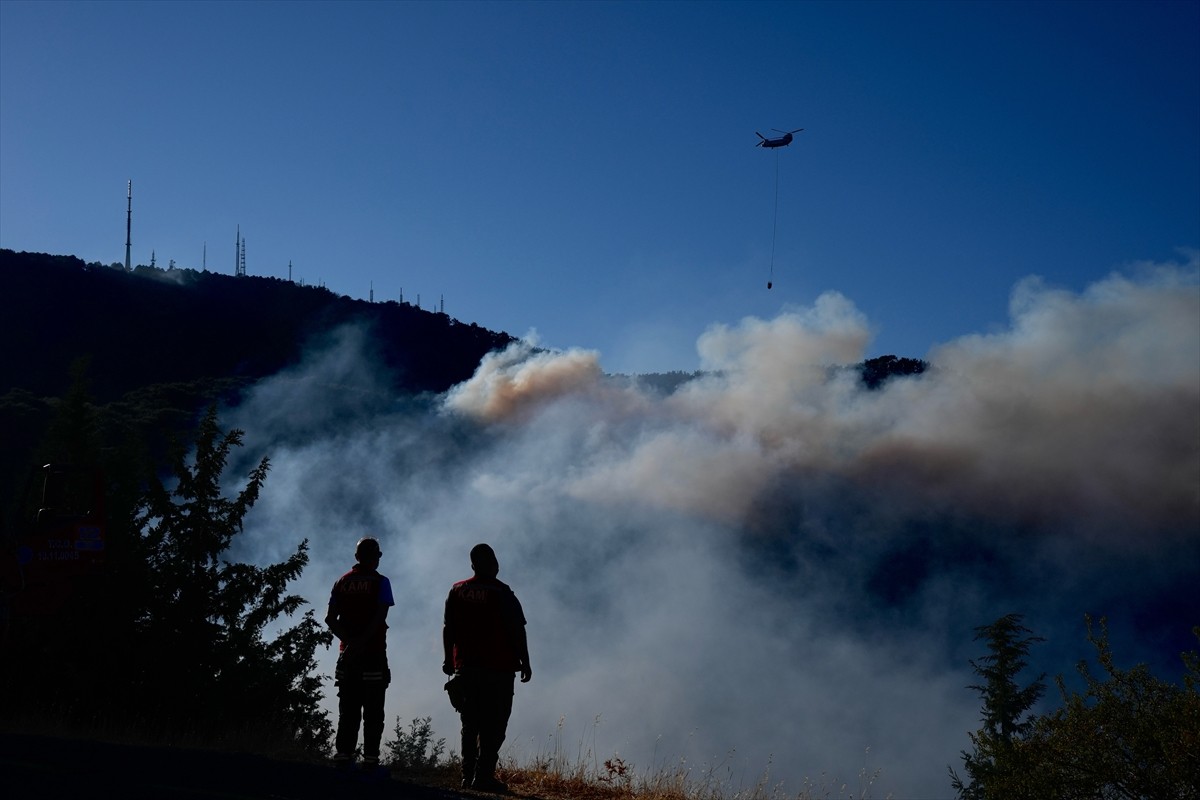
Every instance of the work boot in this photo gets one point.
(490, 783)
(371, 768)
(485, 775)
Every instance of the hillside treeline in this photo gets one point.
(153, 326)
(152, 348)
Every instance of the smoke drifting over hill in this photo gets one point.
(771, 565)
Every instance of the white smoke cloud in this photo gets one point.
(771, 565)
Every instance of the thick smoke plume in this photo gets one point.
(771, 567)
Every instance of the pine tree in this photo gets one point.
(203, 620)
(1005, 704)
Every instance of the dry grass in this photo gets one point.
(555, 775)
(546, 783)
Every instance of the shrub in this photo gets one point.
(414, 748)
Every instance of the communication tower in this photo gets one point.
(239, 254)
(128, 222)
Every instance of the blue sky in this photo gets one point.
(588, 170)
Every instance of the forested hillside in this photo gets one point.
(153, 326)
(151, 348)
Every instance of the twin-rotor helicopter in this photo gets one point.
(778, 141)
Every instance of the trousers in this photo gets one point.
(361, 684)
(486, 707)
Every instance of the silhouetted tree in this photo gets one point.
(204, 618)
(1005, 703)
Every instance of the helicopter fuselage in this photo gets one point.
(778, 141)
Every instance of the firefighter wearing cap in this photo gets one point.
(358, 607)
(484, 645)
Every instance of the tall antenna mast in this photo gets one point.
(128, 222)
(239, 254)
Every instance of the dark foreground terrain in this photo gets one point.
(48, 767)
